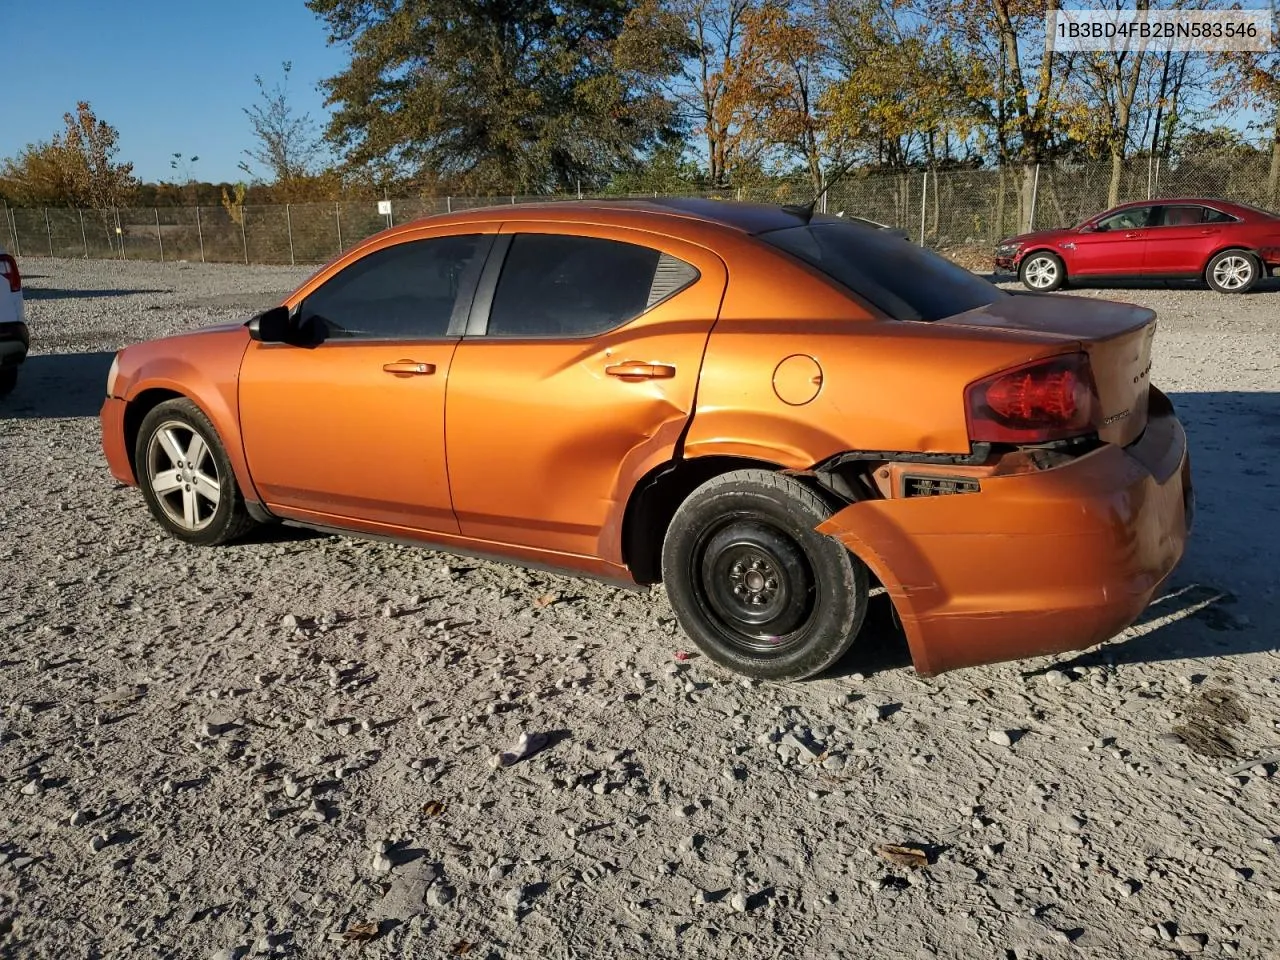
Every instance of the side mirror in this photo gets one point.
(270, 326)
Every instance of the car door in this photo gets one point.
(1115, 246)
(353, 428)
(577, 375)
(1179, 240)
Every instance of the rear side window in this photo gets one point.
(905, 281)
(554, 285)
(1217, 216)
(404, 292)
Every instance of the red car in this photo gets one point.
(1228, 245)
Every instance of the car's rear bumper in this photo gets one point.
(15, 341)
(1033, 563)
(111, 418)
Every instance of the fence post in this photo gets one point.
(924, 195)
(244, 242)
(115, 214)
(159, 237)
(17, 243)
(84, 237)
(200, 232)
(48, 231)
(337, 218)
(448, 204)
(1156, 185)
(288, 219)
(1035, 197)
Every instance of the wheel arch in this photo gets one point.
(1226, 248)
(656, 497)
(1043, 249)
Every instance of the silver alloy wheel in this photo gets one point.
(1233, 272)
(1041, 272)
(183, 475)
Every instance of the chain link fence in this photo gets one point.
(943, 210)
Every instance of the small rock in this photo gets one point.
(1190, 942)
(834, 763)
(1056, 678)
(289, 622)
(80, 818)
(33, 787)
(98, 841)
(873, 712)
(382, 863)
(739, 902)
(1072, 824)
(1165, 931)
(1001, 738)
(440, 894)
(1126, 888)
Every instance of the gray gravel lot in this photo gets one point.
(283, 747)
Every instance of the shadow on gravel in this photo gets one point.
(52, 385)
(53, 293)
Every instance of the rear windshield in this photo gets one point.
(905, 281)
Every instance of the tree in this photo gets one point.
(1252, 79)
(776, 83)
(77, 167)
(288, 144)
(525, 95)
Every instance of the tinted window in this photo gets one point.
(905, 281)
(407, 291)
(563, 286)
(1217, 216)
(1130, 219)
(1180, 216)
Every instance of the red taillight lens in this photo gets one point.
(1046, 400)
(9, 271)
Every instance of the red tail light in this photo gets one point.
(1046, 400)
(9, 271)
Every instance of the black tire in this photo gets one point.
(1232, 271)
(8, 380)
(165, 438)
(1042, 264)
(746, 539)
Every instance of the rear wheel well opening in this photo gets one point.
(136, 412)
(658, 495)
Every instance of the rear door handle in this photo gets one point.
(409, 368)
(1133, 235)
(1209, 230)
(632, 370)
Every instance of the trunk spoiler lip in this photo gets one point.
(1099, 321)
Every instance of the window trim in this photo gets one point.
(468, 283)
(477, 323)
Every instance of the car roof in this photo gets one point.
(1216, 202)
(748, 218)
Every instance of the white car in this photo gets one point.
(14, 338)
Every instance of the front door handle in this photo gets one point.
(409, 368)
(632, 370)
(1207, 231)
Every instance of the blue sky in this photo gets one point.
(170, 75)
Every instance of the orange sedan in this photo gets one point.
(765, 410)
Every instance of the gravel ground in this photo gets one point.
(284, 747)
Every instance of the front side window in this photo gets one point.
(1132, 219)
(905, 281)
(402, 292)
(554, 285)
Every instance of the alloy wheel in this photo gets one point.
(1232, 273)
(1041, 272)
(183, 474)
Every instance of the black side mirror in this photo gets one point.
(271, 326)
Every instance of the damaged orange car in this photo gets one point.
(766, 410)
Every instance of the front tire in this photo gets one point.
(1042, 271)
(752, 583)
(186, 477)
(1232, 271)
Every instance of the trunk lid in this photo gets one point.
(1116, 336)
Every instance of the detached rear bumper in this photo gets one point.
(1034, 563)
